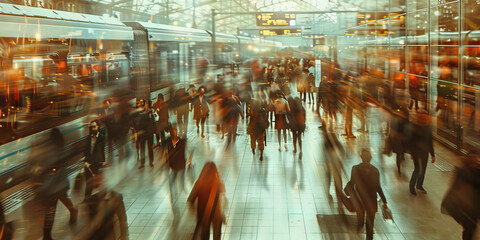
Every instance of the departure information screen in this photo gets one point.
(278, 32)
(276, 19)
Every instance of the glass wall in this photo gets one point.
(431, 49)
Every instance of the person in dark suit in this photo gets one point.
(421, 146)
(200, 109)
(144, 131)
(365, 180)
(94, 155)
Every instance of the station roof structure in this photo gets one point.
(198, 13)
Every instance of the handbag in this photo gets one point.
(347, 200)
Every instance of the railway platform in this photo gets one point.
(281, 197)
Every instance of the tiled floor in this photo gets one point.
(282, 197)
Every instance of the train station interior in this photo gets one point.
(240, 119)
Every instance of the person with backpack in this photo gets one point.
(257, 127)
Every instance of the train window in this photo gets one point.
(167, 65)
(42, 89)
(118, 69)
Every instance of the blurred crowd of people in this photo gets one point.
(261, 98)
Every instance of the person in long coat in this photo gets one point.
(209, 192)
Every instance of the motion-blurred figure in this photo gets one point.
(233, 112)
(175, 154)
(421, 146)
(297, 117)
(108, 218)
(106, 117)
(53, 182)
(202, 65)
(145, 129)
(365, 180)
(181, 105)
(333, 153)
(281, 110)
(161, 108)
(257, 126)
(310, 87)
(94, 155)
(461, 200)
(200, 109)
(209, 190)
(398, 136)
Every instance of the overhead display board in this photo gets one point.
(279, 32)
(276, 19)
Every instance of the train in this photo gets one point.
(56, 65)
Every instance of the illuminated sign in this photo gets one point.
(276, 19)
(278, 32)
(314, 36)
(318, 41)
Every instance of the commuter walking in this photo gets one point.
(106, 117)
(94, 155)
(144, 130)
(310, 88)
(365, 180)
(108, 218)
(54, 184)
(175, 158)
(297, 118)
(281, 110)
(398, 136)
(200, 110)
(161, 108)
(421, 146)
(233, 112)
(462, 198)
(209, 192)
(182, 102)
(302, 84)
(257, 127)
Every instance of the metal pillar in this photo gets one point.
(214, 40)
